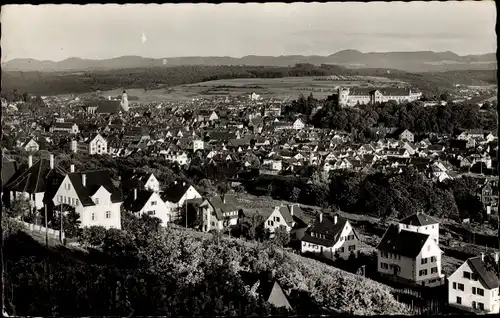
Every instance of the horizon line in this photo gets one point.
(227, 56)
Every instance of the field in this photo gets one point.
(281, 88)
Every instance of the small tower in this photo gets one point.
(124, 101)
(343, 96)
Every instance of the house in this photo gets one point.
(198, 145)
(218, 212)
(149, 203)
(421, 223)
(95, 145)
(298, 124)
(409, 257)
(94, 197)
(37, 183)
(180, 157)
(31, 145)
(65, 127)
(277, 217)
(406, 135)
(474, 286)
(332, 237)
(176, 195)
(272, 293)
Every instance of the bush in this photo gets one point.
(92, 236)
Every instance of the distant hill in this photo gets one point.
(421, 61)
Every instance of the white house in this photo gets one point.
(31, 145)
(148, 202)
(70, 128)
(95, 145)
(218, 212)
(279, 216)
(421, 223)
(409, 257)
(176, 195)
(198, 145)
(298, 124)
(406, 135)
(275, 165)
(93, 196)
(474, 287)
(331, 236)
(177, 156)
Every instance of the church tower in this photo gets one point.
(124, 102)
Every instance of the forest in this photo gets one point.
(54, 83)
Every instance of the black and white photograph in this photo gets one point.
(249, 159)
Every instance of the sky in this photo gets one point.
(57, 32)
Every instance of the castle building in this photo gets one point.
(352, 96)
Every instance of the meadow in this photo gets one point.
(279, 88)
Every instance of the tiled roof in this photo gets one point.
(174, 192)
(401, 242)
(94, 180)
(37, 178)
(419, 219)
(135, 205)
(328, 228)
(487, 277)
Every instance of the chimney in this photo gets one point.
(335, 218)
(51, 161)
(84, 179)
(135, 194)
(30, 161)
(291, 210)
(224, 199)
(321, 217)
(495, 255)
(184, 184)
(72, 168)
(175, 182)
(482, 257)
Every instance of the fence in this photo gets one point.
(40, 229)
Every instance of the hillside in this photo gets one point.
(186, 274)
(422, 61)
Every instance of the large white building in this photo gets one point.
(475, 287)
(93, 196)
(409, 252)
(95, 145)
(149, 203)
(332, 237)
(350, 96)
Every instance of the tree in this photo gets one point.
(19, 207)
(281, 236)
(92, 236)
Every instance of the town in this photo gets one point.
(339, 184)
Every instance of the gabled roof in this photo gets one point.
(487, 277)
(272, 292)
(94, 181)
(10, 170)
(136, 205)
(175, 192)
(401, 242)
(328, 228)
(37, 178)
(419, 219)
(220, 205)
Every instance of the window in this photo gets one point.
(461, 287)
(473, 290)
(474, 305)
(59, 197)
(108, 214)
(467, 275)
(480, 306)
(474, 277)
(428, 247)
(434, 270)
(433, 259)
(480, 291)
(459, 300)
(77, 203)
(424, 261)
(384, 254)
(384, 265)
(93, 216)
(213, 223)
(277, 218)
(151, 212)
(422, 272)
(454, 285)
(352, 247)
(97, 201)
(153, 203)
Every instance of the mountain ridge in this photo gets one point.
(410, 61)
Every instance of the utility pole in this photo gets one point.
(61, 220)
(46, 228)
